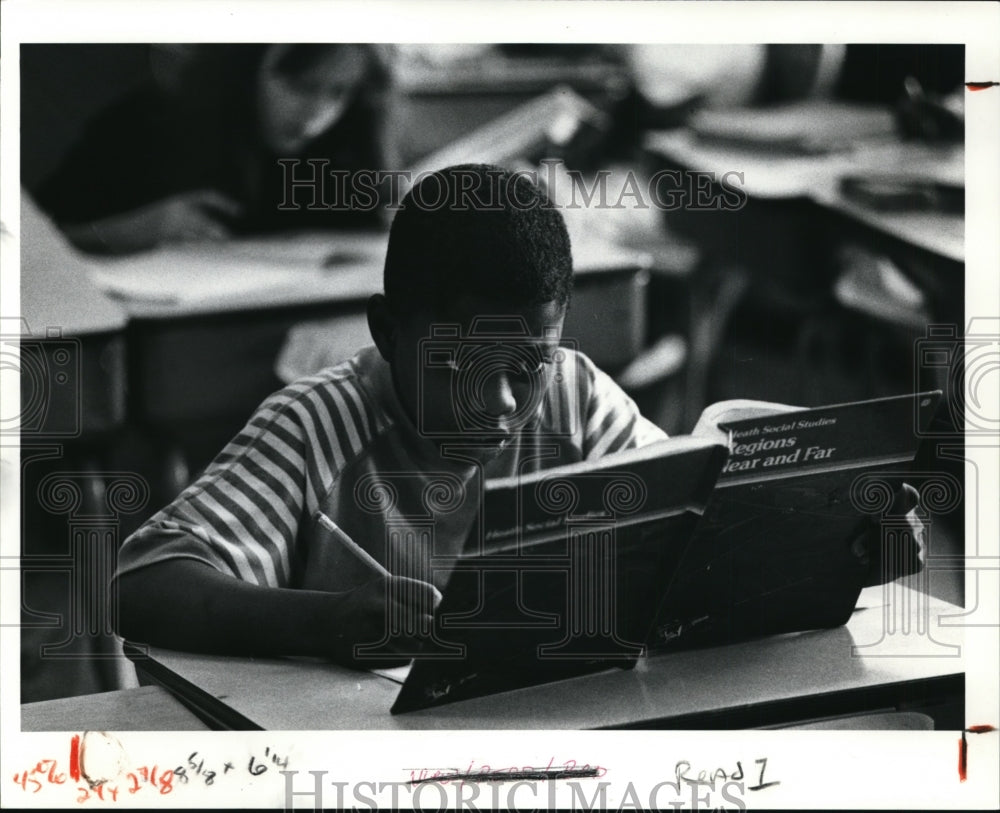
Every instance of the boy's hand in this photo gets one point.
(901, 554)
(365, 613)
(886, 560)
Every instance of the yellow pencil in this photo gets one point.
(351, 545)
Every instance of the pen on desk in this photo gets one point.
(351, 545)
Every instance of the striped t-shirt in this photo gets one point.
(340, 442)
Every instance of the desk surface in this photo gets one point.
(55, 289)
(816, 177)
(309, 695)
(938, 233)
(149, 708)
(282, 271)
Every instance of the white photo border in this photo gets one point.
(896, 770)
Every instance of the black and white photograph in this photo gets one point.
(574, 405)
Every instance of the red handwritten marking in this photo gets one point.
(963, 748)
(74, 758)
(963, 758)
(981, 85)
(47, 771)
(25, 779)
(47, 768)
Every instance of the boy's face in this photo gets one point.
(477, 373)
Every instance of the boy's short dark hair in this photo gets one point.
(477, 229)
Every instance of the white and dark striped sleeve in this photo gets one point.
(612, 421)
(242, 516)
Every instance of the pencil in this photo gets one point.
(351, 545)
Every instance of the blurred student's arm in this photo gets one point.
(123, 186)
(200, 214)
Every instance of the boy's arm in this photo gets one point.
(186, 604)
(212, 571)
(242, 515)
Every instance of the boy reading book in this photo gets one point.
(332, 499)
(466, 380)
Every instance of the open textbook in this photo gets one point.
(564, 571)
(583, 567)
(780, 547)
(686, 542)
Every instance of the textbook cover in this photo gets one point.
(563, 572)
(781, 545)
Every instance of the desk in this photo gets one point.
(784, 242)
(766, 682)
(930, 246)
(148, 708)
(61, 308)
(816, 178)
(938, 235)
(206, 321)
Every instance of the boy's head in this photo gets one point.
(477, 229)
(478, 277)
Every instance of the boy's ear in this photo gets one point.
(383, 325)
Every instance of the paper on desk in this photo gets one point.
(165, 277)
(203, 272)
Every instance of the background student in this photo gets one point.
(197, 157)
